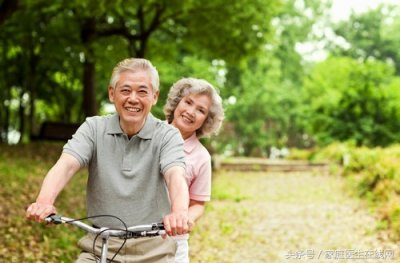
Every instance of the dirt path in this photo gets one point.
(295, 217)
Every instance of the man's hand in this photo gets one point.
(176, 224)
(39, 211)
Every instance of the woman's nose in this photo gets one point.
(191, 111)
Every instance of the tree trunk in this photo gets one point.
(6, 121)
(32, 87)
(88, 32)
(7, 8)
(33, 129)
(89, 88)
(21, 113)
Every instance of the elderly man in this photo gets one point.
(136, 169)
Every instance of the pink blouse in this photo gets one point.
(198, 169)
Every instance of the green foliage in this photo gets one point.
(264, 99)
(49, 48)
(247, 49)
(373, 34)
(293, 25)
(356, 103)
(300, 154)
(377, 175)
(228, 30)
(266, 107)
(355, 86)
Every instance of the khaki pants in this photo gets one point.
(148, 249)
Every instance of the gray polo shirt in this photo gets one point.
(126, 175)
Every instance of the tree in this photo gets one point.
(186, 21)
(294, 24)
(357, 103)
(7, 8)
(265, 90)
(371, 35)
(85, 37)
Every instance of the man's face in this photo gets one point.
(133, 98)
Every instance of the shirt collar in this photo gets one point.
(114, 127)
(149, 127)
(145, 133)
(190, 143)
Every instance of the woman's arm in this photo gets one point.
(196, 210)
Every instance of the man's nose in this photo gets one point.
(133, 96)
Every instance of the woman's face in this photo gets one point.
(190, 113)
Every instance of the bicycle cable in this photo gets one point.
(98, 234)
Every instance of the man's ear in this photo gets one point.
(111, 94)
(155, 97)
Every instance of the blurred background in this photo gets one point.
(292, 73)
(314, 81)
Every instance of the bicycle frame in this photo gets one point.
(105, 233)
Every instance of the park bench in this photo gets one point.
(56, 131)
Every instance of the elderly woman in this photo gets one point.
(195, 108)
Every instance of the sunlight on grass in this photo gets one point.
(224, 189)
(22, 169)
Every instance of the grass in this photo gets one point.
(22, 169)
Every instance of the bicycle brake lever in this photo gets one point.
(53, 218)
(157, 226)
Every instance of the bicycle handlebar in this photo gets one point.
(149, 230)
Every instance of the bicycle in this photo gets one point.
(139, 231)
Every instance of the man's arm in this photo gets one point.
(55, 180)
(176, 223)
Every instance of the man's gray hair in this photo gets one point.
(135, 65)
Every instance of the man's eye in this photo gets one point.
(143, 92)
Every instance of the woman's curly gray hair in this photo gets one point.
(187, 86)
